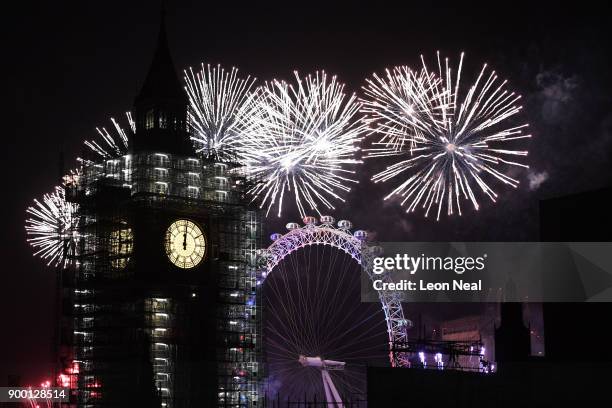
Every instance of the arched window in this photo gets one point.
(150, 119)
(163, 120)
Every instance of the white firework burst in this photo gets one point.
(52, 228)
(109, 145)
(301, 139)
(450, 143)
(216, 98)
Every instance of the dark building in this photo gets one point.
(160, 308)
(577, 331)
(512, 337)
(578, 357)
(523, 384)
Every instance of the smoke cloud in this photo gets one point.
(556, 92)
(536, 179)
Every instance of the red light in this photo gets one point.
(68, 379)
(74, 369)
(64, 380)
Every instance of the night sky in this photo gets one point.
(76, 65)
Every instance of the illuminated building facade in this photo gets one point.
(160, 308)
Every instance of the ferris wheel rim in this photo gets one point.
(340, 237)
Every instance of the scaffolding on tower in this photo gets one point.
(117, 326)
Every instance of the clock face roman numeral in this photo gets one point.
(185, 244)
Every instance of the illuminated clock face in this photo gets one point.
(185, 244)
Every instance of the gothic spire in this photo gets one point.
(161, 81)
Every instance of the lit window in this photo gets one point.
(220, 169)
(221, 182)
(162, 120)
(193, 178)
(193, 192)
(161, 187)
(150, 119)
(161, 173)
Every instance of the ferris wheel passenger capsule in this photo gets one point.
(327, 220)
(310, 220)
(361, 235)
(345, 224)
(292, 225)
(407, 323)
(275, 236)
(376, 250)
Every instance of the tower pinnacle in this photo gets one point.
(161, 105)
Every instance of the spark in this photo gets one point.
(52, 228)
(110, 145)
(301, 138)
(216, 98)
(448, 143)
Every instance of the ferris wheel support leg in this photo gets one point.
(328, 395)
(334, 398)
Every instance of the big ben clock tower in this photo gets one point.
(162, 304)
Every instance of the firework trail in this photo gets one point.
(448, 143)
(52, 228)
(301, 139)
(216, 97)
(111, 145)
